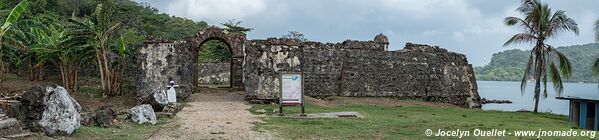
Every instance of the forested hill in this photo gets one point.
(508, 65)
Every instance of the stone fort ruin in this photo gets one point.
(350, 68)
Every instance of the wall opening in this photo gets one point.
(214, 64)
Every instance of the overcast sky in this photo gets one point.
(472, 27)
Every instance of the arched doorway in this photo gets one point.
(214, 64)
(235, 46)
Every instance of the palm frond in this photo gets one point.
(521, 38)
(596, 66)
(560, 22)
(565, 66)
(556, 79)
(511, 21)
(596, 30)
(526, 74)
(15, 13)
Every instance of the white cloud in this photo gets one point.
(432, 8)
(216, 10)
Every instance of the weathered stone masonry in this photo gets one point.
(360, 69)
(214, 73)
(349, 68)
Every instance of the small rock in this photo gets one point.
(104, 116)
(173, 108)
(143, 114)
(229, 123)
(494, 101)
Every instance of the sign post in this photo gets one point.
(291, 91)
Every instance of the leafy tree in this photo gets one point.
(54, 44)
(100, 32)
(235, 27)
(14, 15)
(539, 24)
(295, 35)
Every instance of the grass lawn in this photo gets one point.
(125, 130)
(385, 121)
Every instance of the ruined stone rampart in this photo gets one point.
(349, 68)
(361, 68)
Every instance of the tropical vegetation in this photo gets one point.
(90, 35)
(539, 24)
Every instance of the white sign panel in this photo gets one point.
(291, 88)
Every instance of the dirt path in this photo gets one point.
(214, 114)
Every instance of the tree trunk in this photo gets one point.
(1, 62)
(109, 75)
(64, 75)
(40, 75)
(539, 68)
(30, 70)
(73, 75)
(101, 69)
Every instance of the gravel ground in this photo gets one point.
(214, 114)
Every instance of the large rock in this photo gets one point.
(49, 109)
(143, 114)
(158, 100)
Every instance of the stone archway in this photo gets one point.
(235, 43)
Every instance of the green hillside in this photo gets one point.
(508, 65)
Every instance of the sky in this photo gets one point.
(471, 27)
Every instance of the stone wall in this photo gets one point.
(361, 68)
(264, 60)
(418, 71)
(214, 73)
(159, 62)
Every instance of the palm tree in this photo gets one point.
(10, 20)
(596, 63)
(538, 25)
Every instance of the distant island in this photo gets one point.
(508, 65)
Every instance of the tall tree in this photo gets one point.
(538, 25)
(14, 15)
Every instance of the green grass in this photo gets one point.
(124, 130)
(386, 122)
